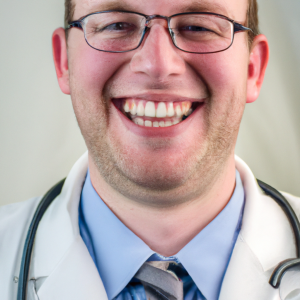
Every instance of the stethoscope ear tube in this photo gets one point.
(283, 266)
(25, 263)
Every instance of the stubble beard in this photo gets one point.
(191, 177)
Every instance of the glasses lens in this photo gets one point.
(201, 33)
(114, 31)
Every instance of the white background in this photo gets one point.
(39, 136)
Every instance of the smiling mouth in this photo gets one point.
(156, 114)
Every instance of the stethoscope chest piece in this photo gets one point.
(289, 288)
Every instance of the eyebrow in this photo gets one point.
(113, 5)
(194, 6)
(206, 6)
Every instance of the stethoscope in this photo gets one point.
(275, 278)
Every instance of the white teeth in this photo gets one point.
(183, 108)
(186, 107)
(126, 107)
(138, 121)
(133, 109)
(140, 109)
(147, 123)
(189, 112)
(171, 111)
(150, 109)
(178, 111)
(161, 111)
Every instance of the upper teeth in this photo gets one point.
(140, 110)
(161, 111)
(171, 112)
(158, 110)
(150, 109)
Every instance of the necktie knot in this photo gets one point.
(159, 282)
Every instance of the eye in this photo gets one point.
(199, 31)
(193, 28)
(120, 26)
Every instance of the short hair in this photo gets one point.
(69, 12)
(252, 20)
(252, 17)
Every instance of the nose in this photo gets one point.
(157, 57)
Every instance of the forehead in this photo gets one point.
(235, 9)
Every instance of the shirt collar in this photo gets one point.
(207, 255)
(118, 253)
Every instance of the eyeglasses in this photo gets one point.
(123, 31)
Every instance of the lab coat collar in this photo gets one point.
(60, 254)
(59, 226)
(265, 227)
(265, 240)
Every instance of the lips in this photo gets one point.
(155, 113)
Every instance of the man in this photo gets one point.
(159, 207)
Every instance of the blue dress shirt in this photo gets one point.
(118, 253)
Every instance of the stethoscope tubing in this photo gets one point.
(282, 267)
(286, 207)
(275, 278)
(26, 257)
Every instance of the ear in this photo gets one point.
(60, 56)
(258, 61)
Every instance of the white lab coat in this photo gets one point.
(62, 269)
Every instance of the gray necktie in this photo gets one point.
(159, 283)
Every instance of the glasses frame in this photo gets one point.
(237, 27)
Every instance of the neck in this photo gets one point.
(167, 230)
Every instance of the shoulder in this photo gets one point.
(14, 222)
(14, 216)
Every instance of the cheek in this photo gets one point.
(225, 76)
(91, 69)
(223, 72)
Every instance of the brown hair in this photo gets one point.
(252, 20)
(252, 17)
(69, 11)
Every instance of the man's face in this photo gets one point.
(159, 165)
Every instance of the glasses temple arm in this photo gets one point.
(239, 27)
(76, 24)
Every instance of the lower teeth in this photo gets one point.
(147, 123)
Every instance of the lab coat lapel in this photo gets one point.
(245, 278)
(60, 257)
(265, 240)
(75, 277)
